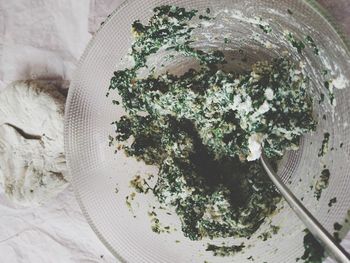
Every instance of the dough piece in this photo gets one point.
(32, 161)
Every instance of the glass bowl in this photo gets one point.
(101, 177)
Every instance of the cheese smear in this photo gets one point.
(254, 146)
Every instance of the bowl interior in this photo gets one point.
(101, 177)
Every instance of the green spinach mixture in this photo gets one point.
(314, 252)
(206, 129)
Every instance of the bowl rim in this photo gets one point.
(337, 28)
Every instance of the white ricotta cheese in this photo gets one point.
(340, 82)
(254, 146)
(269, 94)
(32, 161)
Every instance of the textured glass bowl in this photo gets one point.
(97, 172)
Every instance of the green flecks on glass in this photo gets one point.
(266, 28)
(329, 86)
(314, 252)
(140, 184)
(251, 258)
(332, 201)
(309, 40)
(325, 145)
(322, 183)
(156, 225)
(337, 227)
(129, 200)
(290, 11)
(225, 250)
(321, 98)
(275, 229)
(203, 17)
(300, 45)
(110, 140)
(268, 234)
(296, 43)
(264, 236)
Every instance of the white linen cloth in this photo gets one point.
(43, 39)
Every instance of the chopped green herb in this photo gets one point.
(298, 44)
(264, 236)
(204, 17)
(329, 86)
(275, 229)
(314, 252)
(268, 234)
(225, 250)
(312, 44)
(266, 28)
(322, 183)
(202, 129)
(324, 147)
(140, 184)
(321, 99)
(156, 225)
(337, 226)
(129, 199)
(111, 140)
(332, 201)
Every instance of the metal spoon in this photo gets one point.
(315, 228)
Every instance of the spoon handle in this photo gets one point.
(315, 228)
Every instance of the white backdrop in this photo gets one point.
(43, 39)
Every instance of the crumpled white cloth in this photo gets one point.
(99, 10)
(56, 232)
(43, 39)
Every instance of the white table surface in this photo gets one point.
(57, 232)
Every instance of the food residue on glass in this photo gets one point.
(206, 129)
